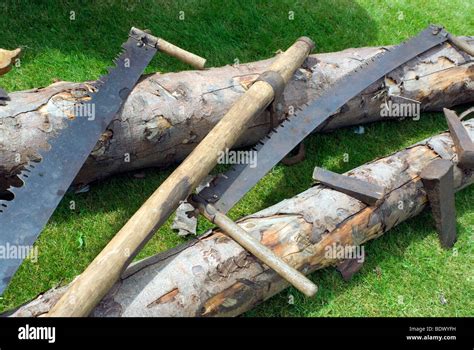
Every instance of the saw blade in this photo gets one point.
(45, 183)
(228, 188)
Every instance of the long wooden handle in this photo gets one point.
(183, 55)
(91, 286)
(238, 234)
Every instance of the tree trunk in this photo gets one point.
(213, 276)
(167, 115)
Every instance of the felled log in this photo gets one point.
(167, 115)
(213, 276)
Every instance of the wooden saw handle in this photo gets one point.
(181, 54)
(170, 49)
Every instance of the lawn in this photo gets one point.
(406, 272)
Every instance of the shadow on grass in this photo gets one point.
(60, 35)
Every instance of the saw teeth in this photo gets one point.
(259, 146)
(98, 84)
(43, 152)
(121, 52)
(90, 95)
(23, 176)
(29, 167)
(103, 79)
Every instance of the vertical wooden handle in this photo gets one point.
(91, 286)
(181, 54)
(238, 234)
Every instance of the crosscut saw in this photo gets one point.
(46, 182)
(225, 190)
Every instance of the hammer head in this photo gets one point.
(462, 141)
(438, 181)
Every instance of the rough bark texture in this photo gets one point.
(167, 115)
(213, 276)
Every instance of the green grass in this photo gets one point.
(413, 272)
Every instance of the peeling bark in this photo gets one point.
(213, 276)
(167, 115)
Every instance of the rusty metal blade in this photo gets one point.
(364, 191)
